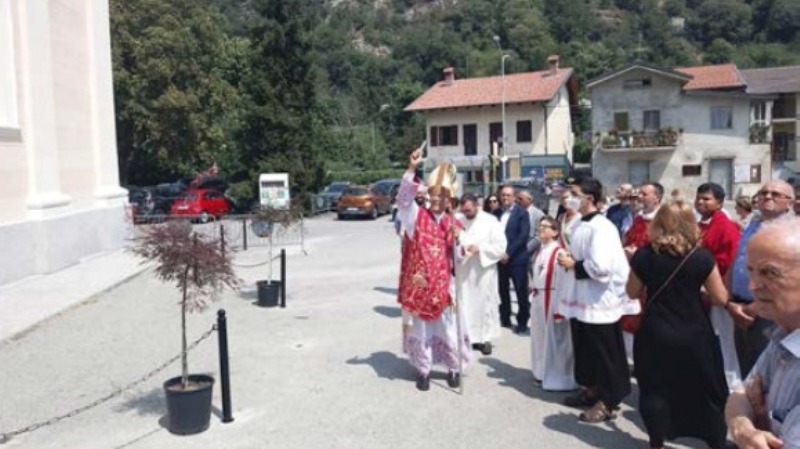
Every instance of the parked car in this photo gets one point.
(202, 204)
(363, 201)
(150, 204)
(389, 187)
(329, 197)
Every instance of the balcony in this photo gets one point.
(665, 139)
(759, 133)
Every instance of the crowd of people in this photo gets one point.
(703, 310)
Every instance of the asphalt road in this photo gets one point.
(325, 372)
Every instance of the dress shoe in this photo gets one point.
(477, 346)
(506, 324)
(423, 383)
(453, 379)
(522, 330)
(486, 348)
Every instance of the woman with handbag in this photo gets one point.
(676, 353)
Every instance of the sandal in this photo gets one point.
(582, 399)
(598, 413)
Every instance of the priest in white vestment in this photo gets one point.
(481, 245)
(553, 361)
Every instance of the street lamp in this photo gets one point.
(503, 56)
(383, 107)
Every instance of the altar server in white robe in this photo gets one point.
(553, 363)
(481, 245)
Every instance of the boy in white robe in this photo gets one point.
(553, 363)
(480, 247)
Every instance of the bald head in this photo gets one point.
(624, 191)
(774, 199)
(525, 199)
(773, 256)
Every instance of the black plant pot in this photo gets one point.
(189, 411)
(269, 292)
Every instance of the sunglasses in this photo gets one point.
(492, 200)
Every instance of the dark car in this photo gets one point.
(389, 187)
(329, 197)
(151, 204)
(363, 201)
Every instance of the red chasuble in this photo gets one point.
(429, 257)
(637, 234)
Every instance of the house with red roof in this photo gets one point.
(680, 127)
(779, 124)
(467, 119)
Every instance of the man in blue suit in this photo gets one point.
(514, 264)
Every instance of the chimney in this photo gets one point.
(552, 60)
(449, 76)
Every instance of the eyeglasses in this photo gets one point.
(492, 200)
(773, 194)
(545, 226)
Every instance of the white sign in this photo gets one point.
(273, 190)
(741, 173)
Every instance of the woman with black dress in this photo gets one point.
(676, 353)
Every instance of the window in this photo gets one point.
(470, 139)
(444, 135)
(721, 117)
(8, 82)
(652, 120)
(692, 170)
(621, 122)
(638, 172)
(758, 109)
(640, 83)
(524, 131)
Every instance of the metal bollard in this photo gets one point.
(244, 233)
(283, 278)
(224, 374)
(222, 238)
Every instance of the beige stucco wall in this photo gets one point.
(697, 144)
(559, 127)
(60, 199)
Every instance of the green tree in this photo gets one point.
(727, 19)
(720, 51)
(281, 129)
(173, 103)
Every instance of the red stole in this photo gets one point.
(428, 256)
(548, 283)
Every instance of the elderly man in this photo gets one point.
(480, 246)
(773, 201)
(766, 415)
(525, 201)
(621, 213)
(429, 322)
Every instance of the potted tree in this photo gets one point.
(200, 270)
(266, 222)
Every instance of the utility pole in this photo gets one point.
(503, 56)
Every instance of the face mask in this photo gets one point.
(572, 203)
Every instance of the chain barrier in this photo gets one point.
(6, 436)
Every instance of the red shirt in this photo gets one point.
(720, 236)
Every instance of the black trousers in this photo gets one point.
(750, 343)
(600, 361)
(519, 275)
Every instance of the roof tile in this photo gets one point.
(724, 76)
(520, 88)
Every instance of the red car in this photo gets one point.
(202, 204)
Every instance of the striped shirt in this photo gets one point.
(779, 368)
